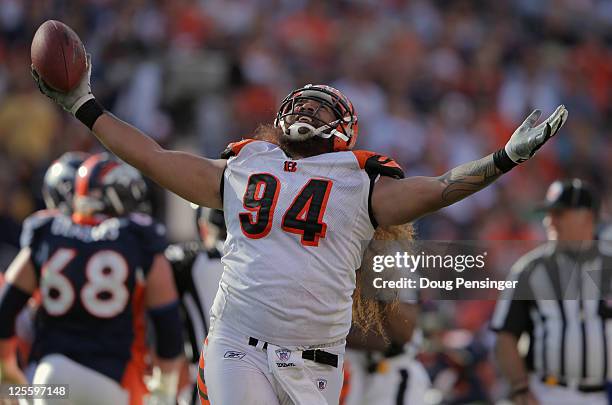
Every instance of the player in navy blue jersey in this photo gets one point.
(97, 272)
(58, 193)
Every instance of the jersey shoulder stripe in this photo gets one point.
(234, 148)
(376, 164)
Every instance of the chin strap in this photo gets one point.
(303, 131)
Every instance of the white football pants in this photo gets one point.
(234, 372)
(85, 386)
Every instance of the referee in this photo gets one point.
(561, 304)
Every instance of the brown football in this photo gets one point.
(58, 55)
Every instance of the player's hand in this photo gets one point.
(72, 100)
(528, 138)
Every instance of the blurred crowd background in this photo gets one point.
(435, 84)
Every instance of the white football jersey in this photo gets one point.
(297, 230)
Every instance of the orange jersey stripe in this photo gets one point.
(346, 383)
(236, 147)
(376, 164)
(132, 380)
(362, 156)
(202, 390)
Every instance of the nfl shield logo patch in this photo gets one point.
(321, 383)
(283, 354)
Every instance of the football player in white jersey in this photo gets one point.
(197, 269)
(386, 371)
(299, 216)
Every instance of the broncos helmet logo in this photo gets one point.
(107, 187)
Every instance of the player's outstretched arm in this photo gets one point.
(192, 177)
(400, 201)
(14, 294)
(162, 301)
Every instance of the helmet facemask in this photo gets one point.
(288, 117)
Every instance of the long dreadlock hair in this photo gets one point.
(368, 308)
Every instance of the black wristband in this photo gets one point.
(89, 112)
(502, 161)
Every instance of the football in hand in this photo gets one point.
(58, 55)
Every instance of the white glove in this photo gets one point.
(75, 98)
(162, 387)
(527, 139)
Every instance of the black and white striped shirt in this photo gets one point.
(564, 302)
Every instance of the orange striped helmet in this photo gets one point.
(344, 128)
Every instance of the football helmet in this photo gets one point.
(58, 183)
(344, 128)
(108, 187)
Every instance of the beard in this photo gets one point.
(304, 148)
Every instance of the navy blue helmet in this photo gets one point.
(58, 184)
(107, 186)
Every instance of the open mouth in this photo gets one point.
(304, 118)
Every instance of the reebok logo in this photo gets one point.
(231, 354)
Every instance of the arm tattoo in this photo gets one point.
(468, 178)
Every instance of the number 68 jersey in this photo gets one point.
(297, 230)
(91, 282)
